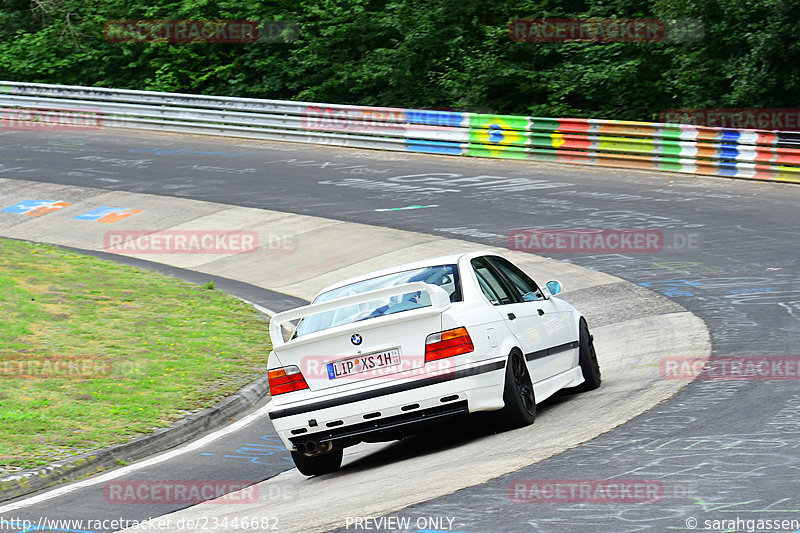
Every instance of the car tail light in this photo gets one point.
(286, 379)
(447, 344)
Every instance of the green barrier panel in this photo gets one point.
(497, 135)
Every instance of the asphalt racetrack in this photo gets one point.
(721, 450)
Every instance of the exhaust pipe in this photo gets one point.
(313, 447)
(308, 446)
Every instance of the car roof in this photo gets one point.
(450, 259)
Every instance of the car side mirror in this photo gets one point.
(553, 287)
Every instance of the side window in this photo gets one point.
(527, 288)
(493, 287)
(487, 290)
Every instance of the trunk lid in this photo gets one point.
(363, 339)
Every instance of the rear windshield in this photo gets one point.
(445, 276)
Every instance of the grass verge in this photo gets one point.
(93, 353)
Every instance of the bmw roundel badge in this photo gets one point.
(355, 339)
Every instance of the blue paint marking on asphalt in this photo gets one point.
(22, 207)
(264, 454)
(102, 212)
(26, 206)
(671, 283)
(98, 213)
(756, 290)
(206, 454)
(669, 287)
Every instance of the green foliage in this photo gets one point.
(433, 54)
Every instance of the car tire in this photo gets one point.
(587, 359)
(518, 395)
(317, 465)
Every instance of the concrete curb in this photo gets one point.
(90, 463)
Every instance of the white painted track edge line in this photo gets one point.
(60, 491)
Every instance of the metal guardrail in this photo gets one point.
(752, 154)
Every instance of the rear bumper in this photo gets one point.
(387, 428)
(390, 411)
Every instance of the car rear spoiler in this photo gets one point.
(440, 301)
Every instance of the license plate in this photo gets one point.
(363, 363)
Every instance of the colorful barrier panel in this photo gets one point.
(737, 153)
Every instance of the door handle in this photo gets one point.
(512, 316)
(541, 312)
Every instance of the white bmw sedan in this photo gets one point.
(377, 357)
